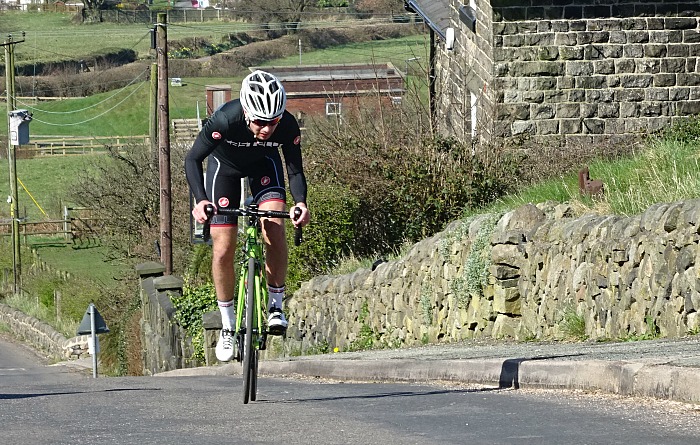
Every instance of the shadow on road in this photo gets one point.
(511, 368)
(27, 396)
(382, 395)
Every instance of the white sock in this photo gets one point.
(275, 296)
(227, 314)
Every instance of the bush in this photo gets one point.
(70, 83)
(75, 294)
(189, 307)
(124, 188)
(328, 238)
(408, 184)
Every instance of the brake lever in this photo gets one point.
(206, 229)
(297, 230)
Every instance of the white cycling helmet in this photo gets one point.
(262, 96)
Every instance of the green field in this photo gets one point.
(53, 36)
(43, 186)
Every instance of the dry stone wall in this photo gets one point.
(517, 275)
(165, 343)
(43, 337)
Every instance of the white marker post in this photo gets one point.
(93, 324)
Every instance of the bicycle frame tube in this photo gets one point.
(253, 249)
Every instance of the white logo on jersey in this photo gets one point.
(254, 144)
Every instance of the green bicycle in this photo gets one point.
(251, 305)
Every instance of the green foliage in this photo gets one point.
(573, 325)
(476, 270)
(458, 235)
(366, 339)
(320, 348)
(410, 184)
(327, 238)
(46, 292)
(332, 3)
(200, 47)
(199, 269)
(75, 293)
(652, 331)
(686, 131)
(190, 306)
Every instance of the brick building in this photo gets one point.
(335, 89)
(580, 70)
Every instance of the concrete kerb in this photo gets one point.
(613, 377)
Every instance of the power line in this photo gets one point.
(95, 117)
(90, 106)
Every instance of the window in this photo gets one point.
(333, 108)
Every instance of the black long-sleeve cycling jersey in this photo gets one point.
(227, 136)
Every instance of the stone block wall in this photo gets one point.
(463, 77)
(514, 276)
(43, 337)
(582, 72)
(597, 77)
(165, 343)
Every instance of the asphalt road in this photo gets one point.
(41, 404)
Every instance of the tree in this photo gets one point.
(91, 11)
(286, 14)
(380, 6)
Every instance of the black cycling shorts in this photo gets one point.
(223, 184)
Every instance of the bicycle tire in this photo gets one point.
(254, 376)
(255, 357)
(249, 365)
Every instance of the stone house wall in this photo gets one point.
(583, 72)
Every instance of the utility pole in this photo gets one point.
(153, 114)
(9, 45)
(166, 220)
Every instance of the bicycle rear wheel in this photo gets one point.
(250, 353)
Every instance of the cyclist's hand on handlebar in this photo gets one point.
(301, 220)
(199, 212)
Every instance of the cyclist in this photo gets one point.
(243, 139)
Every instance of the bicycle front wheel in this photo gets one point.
(250, 354)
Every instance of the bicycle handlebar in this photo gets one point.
(250, 211)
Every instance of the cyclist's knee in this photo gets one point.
(223, 256)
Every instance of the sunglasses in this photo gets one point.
(264, 123)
